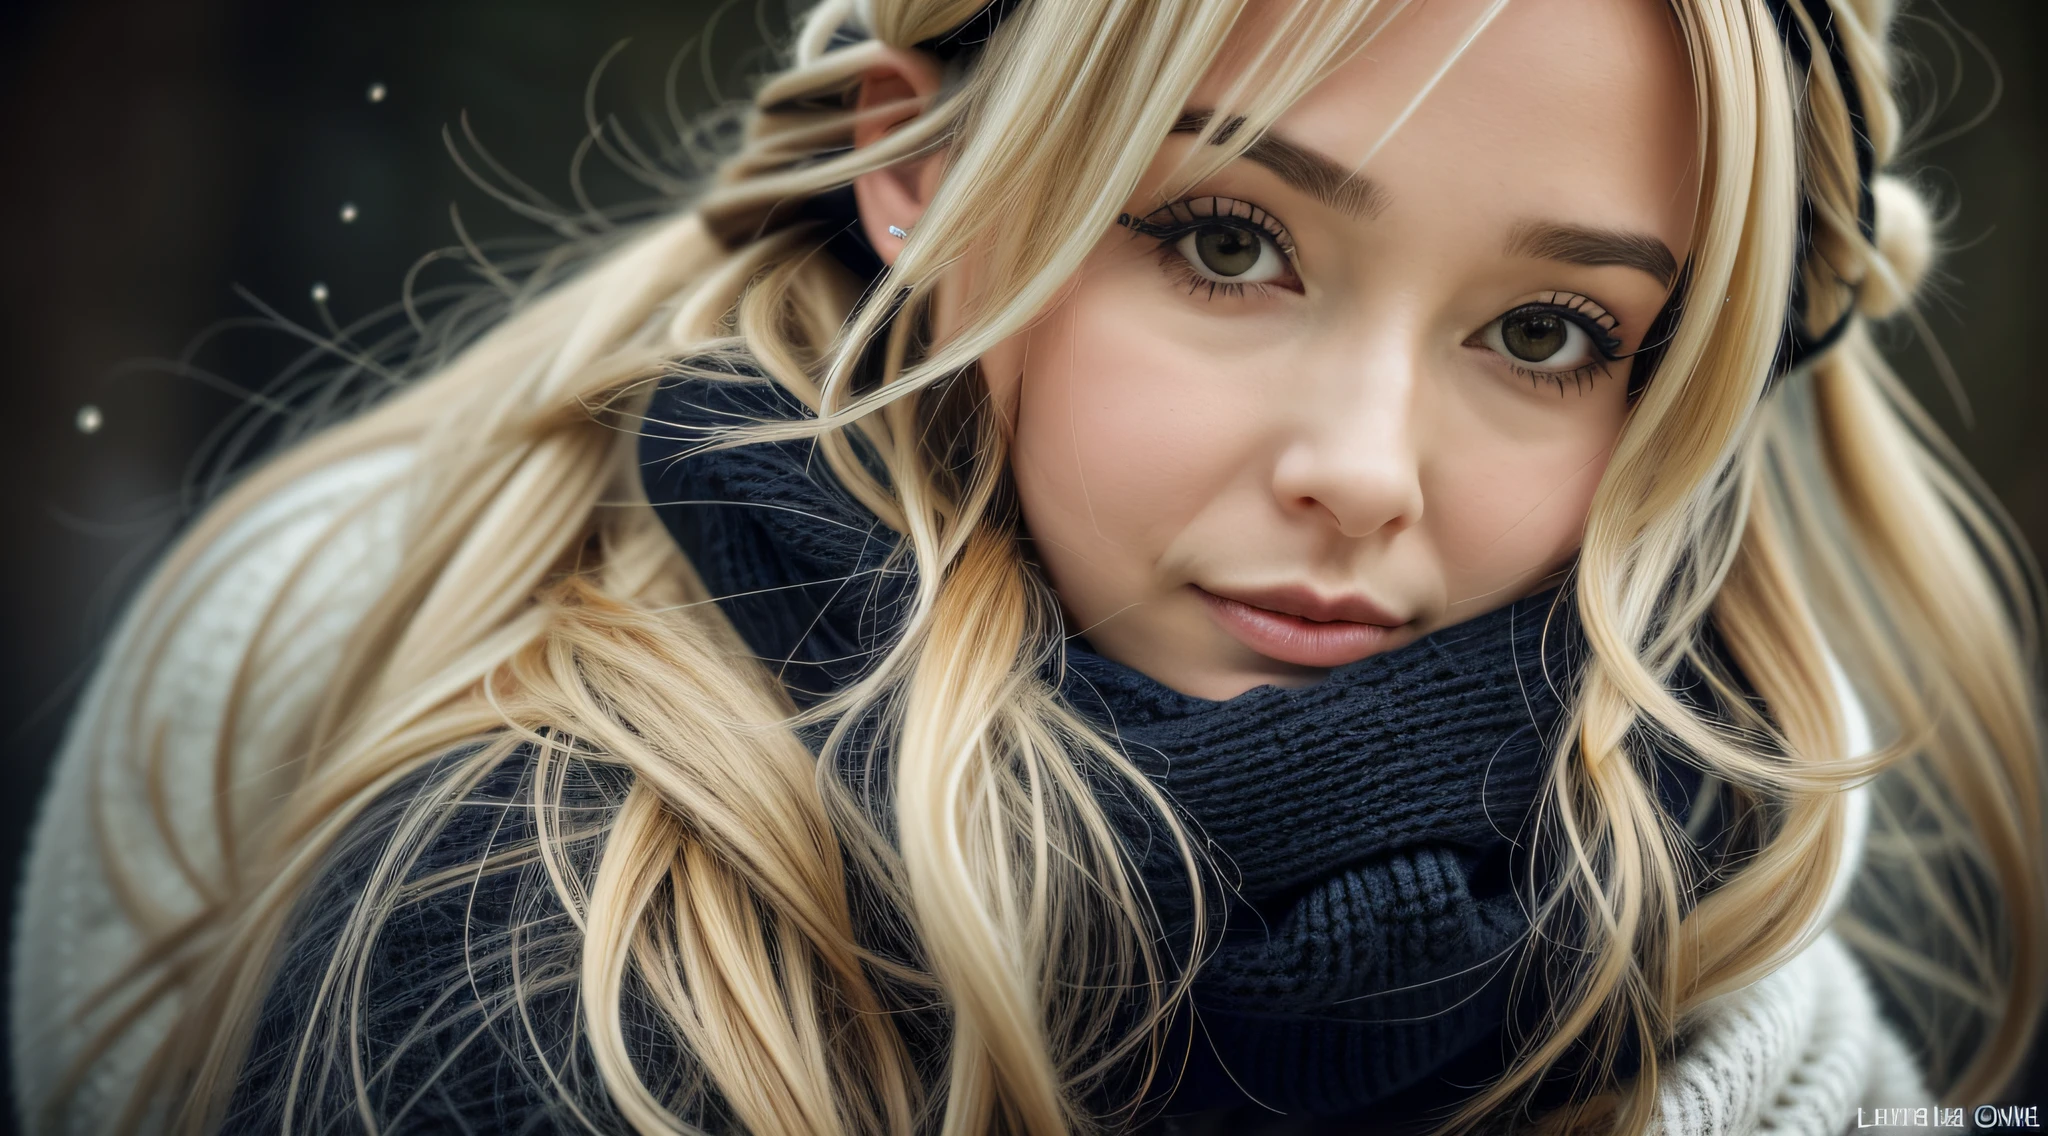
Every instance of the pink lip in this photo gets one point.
(1294, 625)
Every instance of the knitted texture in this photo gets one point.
(1801, 1050)
(72, 931)
(72, 936)
(1365, 826)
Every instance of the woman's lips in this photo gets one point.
(1295, 626)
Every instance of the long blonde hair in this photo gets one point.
(539, 608)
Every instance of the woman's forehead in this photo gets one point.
(1525, 105)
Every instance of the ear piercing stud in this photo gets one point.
(899, 233)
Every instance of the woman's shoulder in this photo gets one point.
(231, 641)
(1803, 1048)
(1804, 1051)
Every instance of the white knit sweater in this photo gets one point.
(1797, 1053)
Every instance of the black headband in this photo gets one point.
(970, 36)
(1798, 347)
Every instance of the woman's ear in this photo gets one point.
(894, 90)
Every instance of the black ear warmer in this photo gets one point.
(1801, 346)
(1798, 346)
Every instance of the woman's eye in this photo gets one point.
(1228, 254)
(1219, 244)
(1540, 339)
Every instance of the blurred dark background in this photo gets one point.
(158, 155)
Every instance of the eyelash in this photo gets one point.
(1185, 216)
(1170, 222)
(1592, 319)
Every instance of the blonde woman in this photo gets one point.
(1191, 566)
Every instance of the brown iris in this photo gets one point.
(1226, 251)
(1533, 337)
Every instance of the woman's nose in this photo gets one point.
(1351, 455)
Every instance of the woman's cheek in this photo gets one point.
(1119, 433)
(1507, 516)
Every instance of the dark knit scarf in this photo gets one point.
(1368, 824)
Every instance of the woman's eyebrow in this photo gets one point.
(1577, 244)
(1352, 194)
(1356, 195)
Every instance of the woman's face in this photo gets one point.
(1309, 412)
